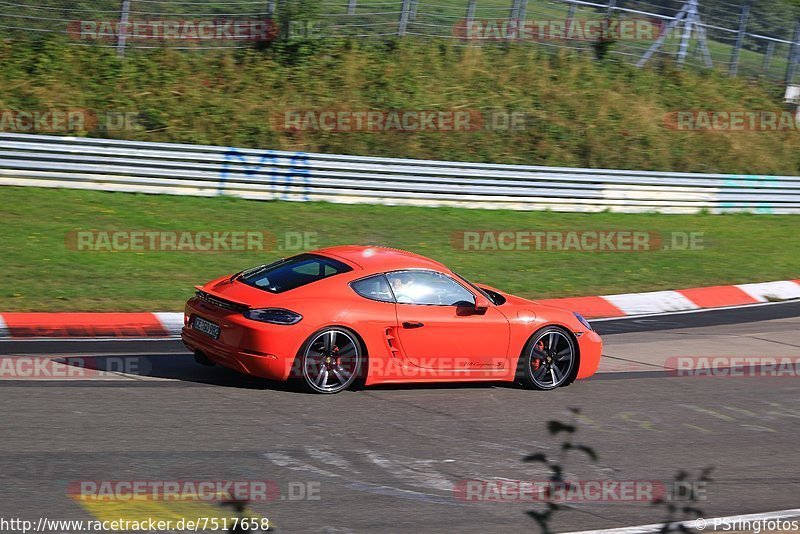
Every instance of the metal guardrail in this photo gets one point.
(176, 169)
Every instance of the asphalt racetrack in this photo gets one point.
(387, 458)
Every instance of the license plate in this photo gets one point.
(206, 327)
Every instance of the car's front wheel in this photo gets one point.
(548, 360)
(331, 360)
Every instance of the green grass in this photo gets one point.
(42, 273)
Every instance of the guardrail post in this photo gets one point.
(271, 8)
(792, 63)
(351, 7)
(473, 4)
(571, 12)
(285, 23)
(679, 16)
(405, 11)
(734, 69)
(513, 20)
(686, 36)
(768, 56)
(570, 18)
(122, 36)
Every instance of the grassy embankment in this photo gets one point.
(580, 112)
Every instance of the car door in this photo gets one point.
(439, 327)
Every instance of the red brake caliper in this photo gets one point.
(535, 364)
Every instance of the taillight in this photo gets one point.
(274, 315)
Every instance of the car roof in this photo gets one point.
(381, 259)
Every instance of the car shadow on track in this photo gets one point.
(183, 369)
(173, 367)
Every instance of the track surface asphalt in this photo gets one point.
(386, 458)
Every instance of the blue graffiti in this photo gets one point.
(281, 182)
(749, 180)
(300, 170)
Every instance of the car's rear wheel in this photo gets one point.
(549, 359)
(331, 360)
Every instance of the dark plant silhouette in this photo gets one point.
(678, 510)
(556, 468)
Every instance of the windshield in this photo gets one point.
(293, 273)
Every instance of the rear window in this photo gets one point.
(293, 273)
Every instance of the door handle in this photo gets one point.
(412, 325)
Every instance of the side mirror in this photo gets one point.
(481, 303)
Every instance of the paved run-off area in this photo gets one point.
(387, 458)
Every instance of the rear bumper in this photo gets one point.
(265, 365)
(247, 346)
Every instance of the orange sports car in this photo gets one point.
(368, 315)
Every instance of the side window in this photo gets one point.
(428, 287)
(374, 288)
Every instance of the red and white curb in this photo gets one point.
(17, 325)
(626, 304)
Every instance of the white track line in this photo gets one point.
(706, 523)
(701, 310)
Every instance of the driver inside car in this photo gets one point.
(402, 286)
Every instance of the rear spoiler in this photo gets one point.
(213, 295)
